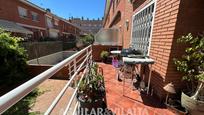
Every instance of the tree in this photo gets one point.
(87, 40)
(192, 63)
(12, 58)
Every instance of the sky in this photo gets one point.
(92, 9)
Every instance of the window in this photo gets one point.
(35, 16)
(49, 22)
(56, 22)
(142, 28)
(22, 12)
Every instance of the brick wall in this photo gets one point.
(9, 11)
(173, 19)
(88, 26)
(163, 33)
(190, 20)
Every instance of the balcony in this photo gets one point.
(63, 99)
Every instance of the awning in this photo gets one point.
(13, 27)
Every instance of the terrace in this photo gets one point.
(62, 98)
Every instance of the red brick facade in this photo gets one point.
(88, 26)
(9, 11)
(173, 18)
(68, 30)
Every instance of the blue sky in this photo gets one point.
(76, 8)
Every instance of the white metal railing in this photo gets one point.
(12, 97)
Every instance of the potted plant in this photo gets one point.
(104, 56)
(192, 66)
(91, 92)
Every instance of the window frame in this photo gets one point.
(37, 18)
(49, 21)
(152, 24)
(20, 9)
(56, 22)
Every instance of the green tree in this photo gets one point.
(192, 63)
(13, 71)
(12, 59)
(88, 39)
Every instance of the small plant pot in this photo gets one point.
(194, 107)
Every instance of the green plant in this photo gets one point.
(192, 63)
(91, 88)
(12, 58)
(13, 71)
(87, 40)
(104, 54)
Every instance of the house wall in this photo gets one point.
(190, 20)
(173, 18)
(120, 24)
(162, 36)
(88, 26)
(9, 11)
(161, 44)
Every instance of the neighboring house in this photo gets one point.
(154, 26)
(25, 14)
(68, 30)
(88, 26)
(28, 20)
(52, 25)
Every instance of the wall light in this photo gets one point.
(120, 27)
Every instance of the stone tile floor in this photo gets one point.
(132, 103)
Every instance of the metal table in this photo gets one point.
(116, 52)
(142, 61)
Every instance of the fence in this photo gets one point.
(76, 63)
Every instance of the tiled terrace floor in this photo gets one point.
(134, 104)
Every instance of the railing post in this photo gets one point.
(87, 52)
(74, 65)
(70, 73)
(91, 51)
